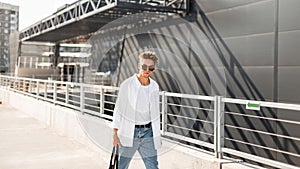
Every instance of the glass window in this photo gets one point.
(6, 11)
(6, 18)
(5, 30)
(6, 25)
(13, 12)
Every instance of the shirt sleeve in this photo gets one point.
(117, 113)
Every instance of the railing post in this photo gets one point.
(38, 88)
(215, 125)
(30, 86)
(218, 126)
(24, 85)
(19, 84)
(101, 99)
(8, 82)
(164, 107)
(45, 89)
(67, 94)
(14, 84)
(54, 92)
(81, 97)
(2, 82)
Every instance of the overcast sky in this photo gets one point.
(31, 11)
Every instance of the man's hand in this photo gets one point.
(116, 140)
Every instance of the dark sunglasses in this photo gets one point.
(150, 68)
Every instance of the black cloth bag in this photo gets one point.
(114, 159)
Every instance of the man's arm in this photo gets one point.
(116, 140)
(117, 117)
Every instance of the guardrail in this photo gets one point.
(192, 119)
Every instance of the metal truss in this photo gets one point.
(85, 8)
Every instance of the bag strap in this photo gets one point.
(114, 158)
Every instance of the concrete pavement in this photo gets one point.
(28, 144)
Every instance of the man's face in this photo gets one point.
(146, 67)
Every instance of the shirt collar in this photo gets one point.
(137, 82)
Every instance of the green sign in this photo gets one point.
(252, 105)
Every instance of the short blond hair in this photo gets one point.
(149, 55)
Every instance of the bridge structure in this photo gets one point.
(87, 16)
(80, 20)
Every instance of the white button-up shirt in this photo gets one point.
(125, 111)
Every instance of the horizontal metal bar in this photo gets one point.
(90, 92)
(109, 102)
(90, 105)
(108, 110)
(264, 104)
(92, 86)
(264, 118)
(185, 117)
(106, 116)
(188, 129)
(112, 95)
(191, 107)
(263, 132)
(262, 160)
(77, 96)
(73, 101)
(190, 96)
(91, 99)
(190, 140)
(264, 147)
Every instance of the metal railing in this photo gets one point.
(192, 119)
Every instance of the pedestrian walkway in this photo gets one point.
(28, 144)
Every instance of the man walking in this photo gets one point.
(136, 119)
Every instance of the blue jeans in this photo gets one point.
(143, 143)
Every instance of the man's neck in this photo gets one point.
(143, 80)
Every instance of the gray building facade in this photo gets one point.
(9, 24)
(257, 44)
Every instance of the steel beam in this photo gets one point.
(84, 9)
